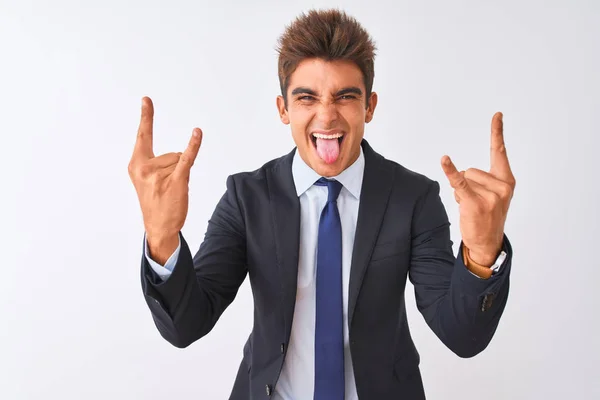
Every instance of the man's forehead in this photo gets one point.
(327, 76)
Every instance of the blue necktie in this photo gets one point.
(329, 334)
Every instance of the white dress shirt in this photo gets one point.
(297, 376)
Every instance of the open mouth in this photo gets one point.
(339, 136)
(327, 144)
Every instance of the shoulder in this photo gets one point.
(257, 178)
(406, 179)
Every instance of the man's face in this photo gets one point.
(327, 113)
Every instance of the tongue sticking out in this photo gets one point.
(328, 150)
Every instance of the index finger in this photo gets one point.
(143, 143)
(499, 165)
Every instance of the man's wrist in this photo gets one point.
(161, 247)
(484, 259)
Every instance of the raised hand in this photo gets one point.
(484, 199)
(161, 184)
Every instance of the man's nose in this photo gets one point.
(327, 112)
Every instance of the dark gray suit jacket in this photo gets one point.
(402, 231)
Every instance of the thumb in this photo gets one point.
(189, 155)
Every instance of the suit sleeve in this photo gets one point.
(461, 309)
(187, 305)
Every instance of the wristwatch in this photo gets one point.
(498, 263)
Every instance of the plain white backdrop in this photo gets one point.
(74, 324)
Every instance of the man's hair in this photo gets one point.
(329, 35)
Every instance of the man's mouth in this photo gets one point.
(327, 144)
(339, 136)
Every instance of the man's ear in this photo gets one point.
(283, 114)
(371, 108)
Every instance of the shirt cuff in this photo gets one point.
(162, 271)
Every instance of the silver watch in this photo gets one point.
(498, 263)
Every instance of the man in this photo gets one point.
(328, 235)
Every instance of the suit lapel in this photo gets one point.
(375, 192)
(285, 207)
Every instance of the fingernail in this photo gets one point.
(196, 133)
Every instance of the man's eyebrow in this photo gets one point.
(348, 90)
(303, 90)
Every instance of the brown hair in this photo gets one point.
(329, 35)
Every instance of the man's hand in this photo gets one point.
(161, 184)
(484, 199)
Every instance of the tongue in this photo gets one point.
(328, 149)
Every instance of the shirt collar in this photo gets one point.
(351, 178)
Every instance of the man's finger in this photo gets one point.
(489, 195)
(166, 171)
(189, 155)
(456, 179)
(504, 190)
(166, 160)
(499, 165)
(485, 179)
(143, 143)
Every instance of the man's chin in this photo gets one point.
(328, 169)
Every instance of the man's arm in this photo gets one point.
(187, 305)
(462, 309)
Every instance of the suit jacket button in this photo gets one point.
(282, 348)
(487, 302)
(268, 389)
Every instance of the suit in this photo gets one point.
(402, 231)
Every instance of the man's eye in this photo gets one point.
(347, 97)
(305, 98)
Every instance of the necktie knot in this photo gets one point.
(334, 188)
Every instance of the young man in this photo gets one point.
(328, 235)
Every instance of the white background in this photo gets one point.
(74, 324)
